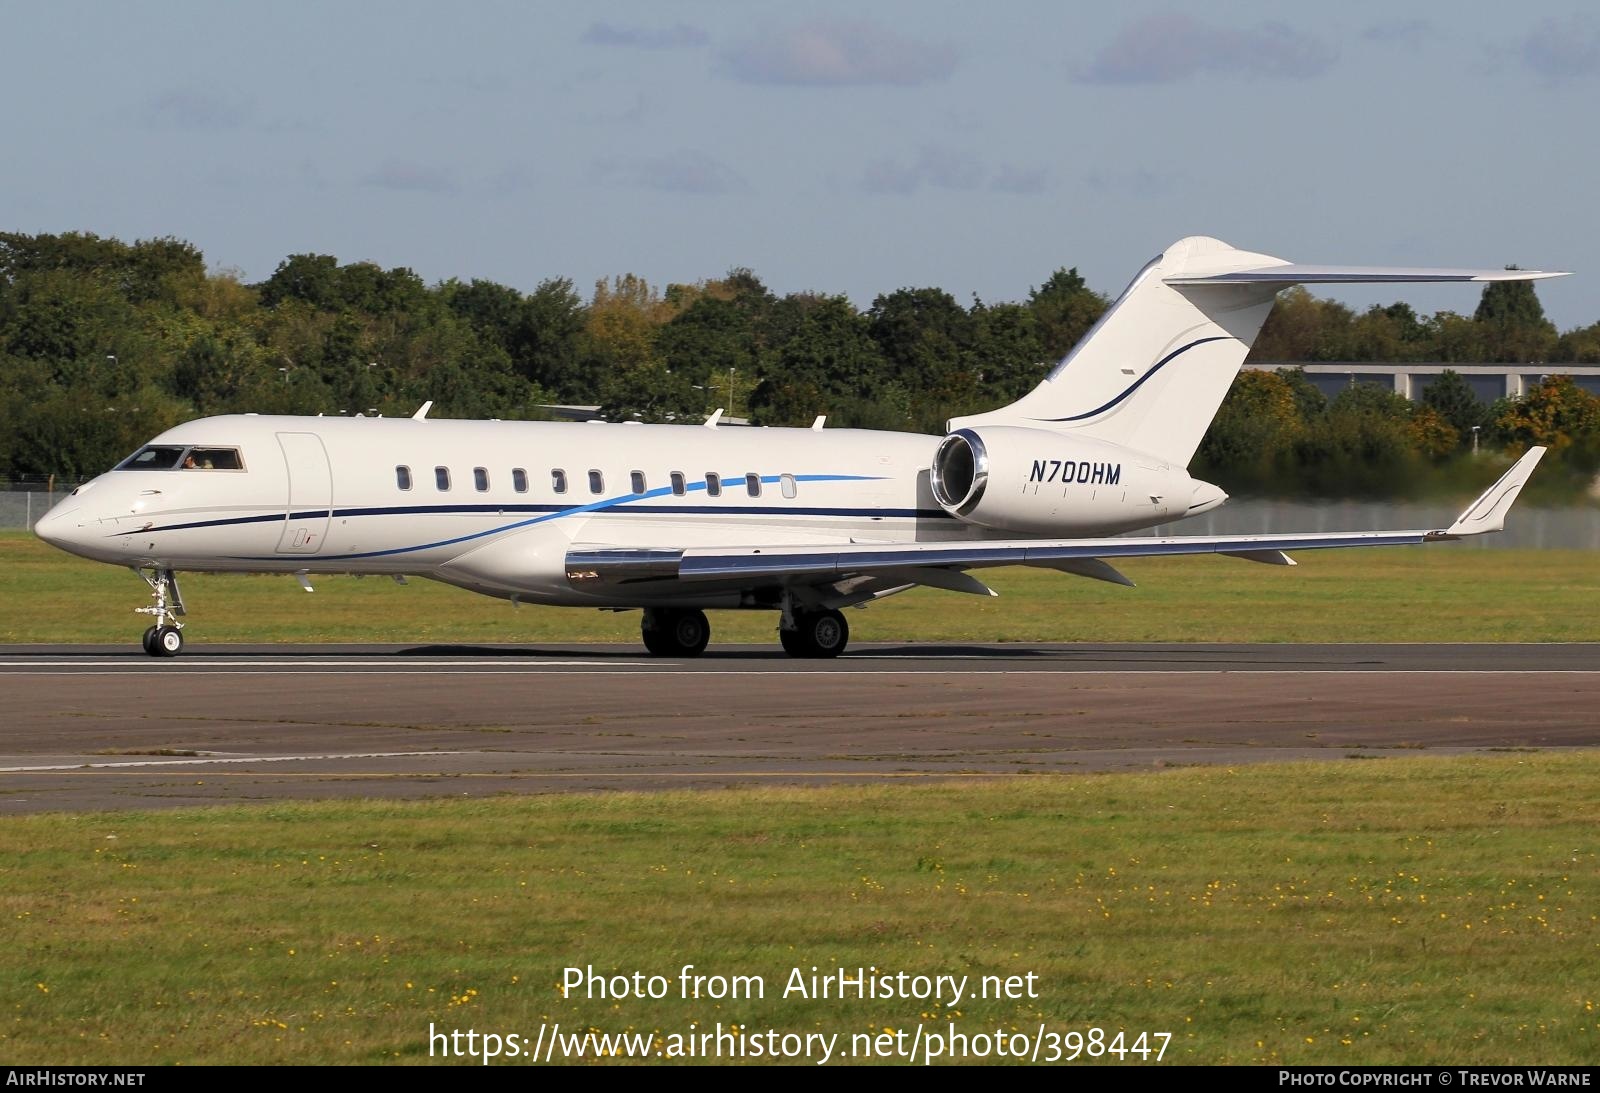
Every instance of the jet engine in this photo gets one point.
(1042, 482)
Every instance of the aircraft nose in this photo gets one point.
(53, 526)
(62, 527)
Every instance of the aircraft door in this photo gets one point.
(310, 493)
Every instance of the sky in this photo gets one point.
(851, 148)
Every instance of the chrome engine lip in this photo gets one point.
(968, 501)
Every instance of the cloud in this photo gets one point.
(677, 36)
(1137, 183)
(1410, 33)
(1561, 49)
(408, 175)
(200, 108)
(682, 172)
(837, 53)
(941, 168)
(1175, 47)
(1021, 180)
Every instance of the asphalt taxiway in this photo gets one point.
(96, 727)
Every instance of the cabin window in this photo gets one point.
(713, 484)
(441, 477)
(752, 485)
(480, 479)
(680, 485)
(558, 480)
(637, 481)
(402, 477)
(597, 482)
(519, 479)
(212, 459)
(786, 484)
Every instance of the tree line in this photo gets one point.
(105, 343)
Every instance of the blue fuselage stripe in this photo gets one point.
(541, 513)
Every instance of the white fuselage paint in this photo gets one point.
(322, 495)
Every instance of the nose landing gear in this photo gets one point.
(165, 638)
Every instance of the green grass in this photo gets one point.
(1436, 593)
(1401, 911)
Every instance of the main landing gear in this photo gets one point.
(816, 634)
(674, 632)
(812, 633)
(165, 638)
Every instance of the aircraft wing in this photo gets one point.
(936, 563)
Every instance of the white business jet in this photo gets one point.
(680, 519)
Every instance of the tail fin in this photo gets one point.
(1152, 372)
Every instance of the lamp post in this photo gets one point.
(1475, 429)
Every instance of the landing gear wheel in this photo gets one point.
(165, 638)
(675, 633)
(168, 642)
(816, 634)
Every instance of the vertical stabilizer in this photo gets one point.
(1152, 372)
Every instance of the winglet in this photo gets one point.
(1488, 512)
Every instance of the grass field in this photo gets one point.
(1402, 910)
(1437, 593)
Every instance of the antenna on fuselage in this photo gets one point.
(817, 424)
(422, 411)
(711, 422)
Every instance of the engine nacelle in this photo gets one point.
(1017, 479)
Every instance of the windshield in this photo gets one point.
(168, 457)
(152, 457)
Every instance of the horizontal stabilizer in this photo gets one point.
(1488, 512)
(1293, 273)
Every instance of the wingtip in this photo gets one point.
(1488, 512)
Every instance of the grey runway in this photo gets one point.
(107, 727)
(767, 660)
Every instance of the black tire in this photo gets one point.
(168, 641)
(149, 642)
(827, 633)
(691, 633)
(655, 641)
(794, 642)
(816, 634)
(671, 633)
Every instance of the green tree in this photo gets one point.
(1008, 346)
(926, 338)
(1513, 322)
(1453, 399)
(1558, 414)
(1252, 439)
(1064, 308)
(819, 359)
(1301, 327)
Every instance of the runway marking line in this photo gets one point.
(174, 762)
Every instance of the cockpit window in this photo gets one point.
(174, 457)
(152, 457)
(212, 459)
